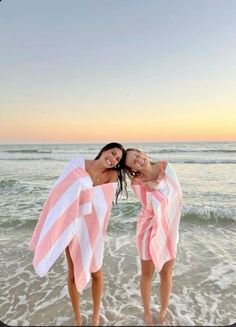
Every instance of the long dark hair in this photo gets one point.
(122, 184)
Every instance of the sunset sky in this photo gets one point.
(124, 70)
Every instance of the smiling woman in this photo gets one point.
(110, 156)
(74, 218)
(156, 186)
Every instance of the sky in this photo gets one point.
(117, 70)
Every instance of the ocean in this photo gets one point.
(204, 274)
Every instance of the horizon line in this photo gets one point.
(106, 142)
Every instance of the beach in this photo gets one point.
(204, 274)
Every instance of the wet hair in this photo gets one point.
(122, 184)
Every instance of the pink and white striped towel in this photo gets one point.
(75, 214)
(157, 232)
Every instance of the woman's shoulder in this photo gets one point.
(161, 166)
(87, 163)
(113, 175)
(161, 163)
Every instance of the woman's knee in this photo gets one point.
(166, 275)
(97, 275)
(147, 269)
(166, 272)
(147, 274)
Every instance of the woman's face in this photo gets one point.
(136, 161)
(111, 157)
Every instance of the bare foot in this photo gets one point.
(78, 321)
(162, 314)
(148, 319)
(95, 320)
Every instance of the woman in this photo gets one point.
(75, 217)
(157, 187)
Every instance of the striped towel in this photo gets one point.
(158, 221)
(75, 214)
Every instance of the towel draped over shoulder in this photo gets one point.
(76, 215)
(157, 228)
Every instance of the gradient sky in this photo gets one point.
(124, 70)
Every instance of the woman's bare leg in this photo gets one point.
(97, 286)
(147, 269)
(165, 288)
(74, 295)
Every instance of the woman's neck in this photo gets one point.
(150, 172)
(97, 166)
(97, 172)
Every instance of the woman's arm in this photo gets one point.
(151, 185)
(113, 176)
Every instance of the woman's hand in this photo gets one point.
(151, 185)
